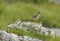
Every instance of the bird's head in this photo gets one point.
(38, 12)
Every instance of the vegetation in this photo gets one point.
(21, 32)
(49, 13)
(10, 10)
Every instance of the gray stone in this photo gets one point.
(4, 36)
(32, 27)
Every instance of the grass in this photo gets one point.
(57, 39)
(50, 16)
(50, 13)
(14, 11)
(21, 32)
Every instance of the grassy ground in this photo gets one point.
(21, 32)
(50, 13)
(50, 16)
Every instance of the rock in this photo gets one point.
(31, 27)
(28, 38)
(55, 1)
(18, 22)
(4, 36)
(12, 25)
(13, 37)
(52, 33)
(20, 38)
(43, 29)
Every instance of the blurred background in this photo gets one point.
(10, 10)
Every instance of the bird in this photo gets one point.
(36, 16)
